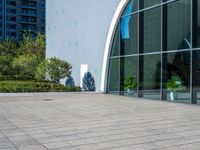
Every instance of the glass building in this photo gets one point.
(18, 16)
(155, 51)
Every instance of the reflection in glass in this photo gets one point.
(149, 3)
(151, 76)
(113, 76)
(179, 25)
(130, 76)
(178, 76)
(152, 30)
(131, 7)
(196, 76)
(116, 43)
(169, 33)
(129, 34)
(198, 29)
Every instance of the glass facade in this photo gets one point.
(178, 25)
(155, 51)
(198, 23)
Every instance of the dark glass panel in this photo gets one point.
(151, 76)
(196, 76)
(129, 34)
(113, 76)
(131, 7)
(152, 30)
(198, 29)
(116, 43)
(178, 77)
(149, 3)
(179, 19)
(130, 76)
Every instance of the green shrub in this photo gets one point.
(25, 66)
(32, 86)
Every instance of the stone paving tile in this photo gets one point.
(76, 121)
(145, 146)
(55, 145)
(191, 146)
(11, 148)
(176, 142)
(32, 147)
(68, 148)
(95, 146)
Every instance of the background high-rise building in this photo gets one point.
(17, 16)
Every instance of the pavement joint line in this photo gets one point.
(121, 139)
(178, 145)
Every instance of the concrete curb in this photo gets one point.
(47, 93)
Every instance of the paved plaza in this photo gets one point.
(76, 121)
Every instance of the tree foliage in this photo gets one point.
(9, 47)
(54, 69)
(88, 82)
(41, 71)
(8, 51)
(69, 81)
(25, 66)
(33, 45)
(18, 60)
(6, 70)
(26, 60)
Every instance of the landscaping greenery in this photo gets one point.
(23, 67)
(69, 81)
(130, 83)
(34, 86)
(53, 69)
(174, 84)
(88, 82)
(19, 60)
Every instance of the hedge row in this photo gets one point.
(32, 86)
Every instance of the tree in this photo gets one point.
(40, 73)
(6, 70)
(25, 66)
(69, 81)
(8, 47)
(53, 69)
(88, 82)
(34, 45)
(19, 60)
(8, 51)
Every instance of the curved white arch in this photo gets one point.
(110, 35)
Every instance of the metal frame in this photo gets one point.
(108, 45)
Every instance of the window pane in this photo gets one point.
(129, 34)
(178, 75)
(131, 7)
(179, 25)
(196, 68)
(130, 76)
(198, 30)
(113, 77)
(116, 43)
(149, 3)
(152, 30)
(151, 76)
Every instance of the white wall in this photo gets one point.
(77, 31)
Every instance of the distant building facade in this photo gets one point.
(17, 16)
